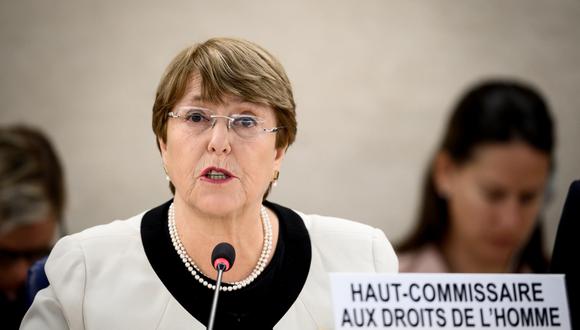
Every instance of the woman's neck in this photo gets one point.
(461, 259)
(201, 232)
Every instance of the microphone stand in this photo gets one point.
(220, 268)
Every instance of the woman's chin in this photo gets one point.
(218, 205)
(497, 254)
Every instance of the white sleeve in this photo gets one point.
(386, 260)
(60, 305)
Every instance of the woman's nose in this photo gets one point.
(220, 138)
(511, 214)
(226, 119)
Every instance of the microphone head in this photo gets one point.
(223, 254)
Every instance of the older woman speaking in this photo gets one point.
(224, 116)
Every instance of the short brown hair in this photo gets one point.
(228, 66)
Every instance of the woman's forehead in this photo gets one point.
(194, 96)
(227, 101)
(512, 162)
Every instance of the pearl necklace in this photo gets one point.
(196, 272)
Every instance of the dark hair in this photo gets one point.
(31, 177)
(495, 111)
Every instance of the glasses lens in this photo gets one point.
(246, 126)
(9, 257)
(197, 120)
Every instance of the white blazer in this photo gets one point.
(101, 279)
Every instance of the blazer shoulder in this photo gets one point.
(120, 227)
(349, 245)
(326, 225)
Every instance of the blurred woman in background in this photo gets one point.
(484, 189)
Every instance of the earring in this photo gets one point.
(166, 174)
(275, 179)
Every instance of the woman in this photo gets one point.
(486, 185)
(224, 116)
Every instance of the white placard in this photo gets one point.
(449, 301)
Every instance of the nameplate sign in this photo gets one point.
(449, 301)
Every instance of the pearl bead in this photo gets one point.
(192, 267)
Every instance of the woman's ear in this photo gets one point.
(279, 154)
(162, 148)
(443, 171)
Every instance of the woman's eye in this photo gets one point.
(196, 117)
(527, 198)
(494, 195)
(245, 122)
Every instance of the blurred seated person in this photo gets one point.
(223, 117)
(31, 208)
(485, 188)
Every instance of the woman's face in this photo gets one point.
(20, 247)
(217, 172)
(494, 199)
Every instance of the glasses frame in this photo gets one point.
(9, 257)
(230, 119)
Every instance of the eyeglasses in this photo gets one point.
(199, 120)
(9, 257)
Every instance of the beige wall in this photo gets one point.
(374, 81)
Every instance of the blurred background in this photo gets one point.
(374, 81)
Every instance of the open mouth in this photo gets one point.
(216, 174)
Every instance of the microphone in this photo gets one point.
(223, 255)
(222, 259)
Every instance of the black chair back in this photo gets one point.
(565, 253)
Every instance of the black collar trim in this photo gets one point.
(261, 304)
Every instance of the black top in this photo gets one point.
(262, 303)
(12, 311)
